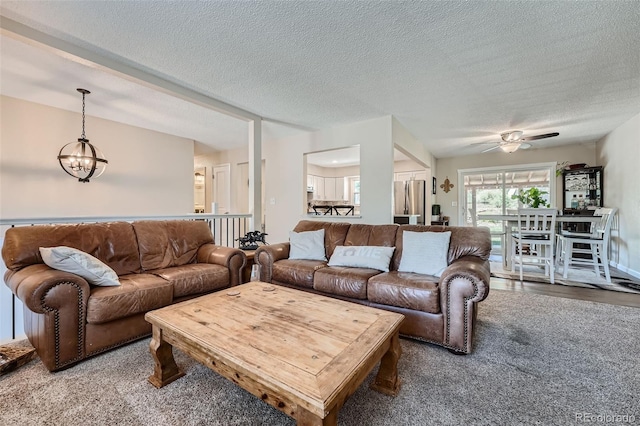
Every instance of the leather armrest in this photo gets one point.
(266, 256)
(464, 283)
(35, 286)
(232, 258)
(475, 273)
(56, 312)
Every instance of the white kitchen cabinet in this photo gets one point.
(329, 188)
(340, 189)
(318, 188)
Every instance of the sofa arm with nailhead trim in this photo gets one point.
(56, 312)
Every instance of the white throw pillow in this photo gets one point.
(424, 252)
(374, 257)
(307, 245)
(77, 262)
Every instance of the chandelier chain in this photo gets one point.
(83, 135)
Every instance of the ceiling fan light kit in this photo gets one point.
(510, 147)
(514, 140)
(512, 136)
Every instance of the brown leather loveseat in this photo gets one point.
(157, 262)
(439, 310)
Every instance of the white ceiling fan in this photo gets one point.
(513, 140)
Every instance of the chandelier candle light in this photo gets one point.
(81, 159)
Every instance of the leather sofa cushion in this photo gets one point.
(296, 272)
(406, 290)
(137, 293)
(371, 235)
(113, 243)
(195, 278)
(164, 244)
(343, 281)
(334, 233)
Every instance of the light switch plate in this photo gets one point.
(454, 204)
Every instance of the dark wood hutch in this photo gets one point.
(582, 192)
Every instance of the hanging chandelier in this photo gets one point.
(81, 159)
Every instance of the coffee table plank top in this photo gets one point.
(308, 345)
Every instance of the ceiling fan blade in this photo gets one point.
(483, 143)
(533, 138)
(490, 149)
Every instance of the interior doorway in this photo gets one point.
(222, 188)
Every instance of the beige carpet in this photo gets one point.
(537, 360)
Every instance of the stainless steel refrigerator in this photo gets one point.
(409, 199)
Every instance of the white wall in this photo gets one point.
(619, 153)
(286, 179)
(448, 167)
(407, 166)
(149, 173)
(407, 144)
(285, 172)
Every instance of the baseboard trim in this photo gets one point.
(626, 270)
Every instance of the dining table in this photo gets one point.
(510, 221)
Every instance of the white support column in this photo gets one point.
(255, 174)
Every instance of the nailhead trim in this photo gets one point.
(56, 323)
(466, 314)
(120, 343)
(422, 339)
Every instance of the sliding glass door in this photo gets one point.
(490, 190)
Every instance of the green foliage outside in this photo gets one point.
(531, 197)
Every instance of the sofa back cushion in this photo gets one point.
(371, 235)
(114, 243)
(465, 241)
(163, 244)
(334, 232)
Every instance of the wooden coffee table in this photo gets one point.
(302, 353)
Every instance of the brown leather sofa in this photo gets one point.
(158, 263)
(438, 310)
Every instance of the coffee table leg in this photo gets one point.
(306, 418)
(165, 370)
(387, 380)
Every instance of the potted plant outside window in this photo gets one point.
(532, 197)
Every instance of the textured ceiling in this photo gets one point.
(453, 73)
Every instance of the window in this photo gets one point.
(355, 191)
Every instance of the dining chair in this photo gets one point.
(501, 235)
(534, 239)
(597, 240)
